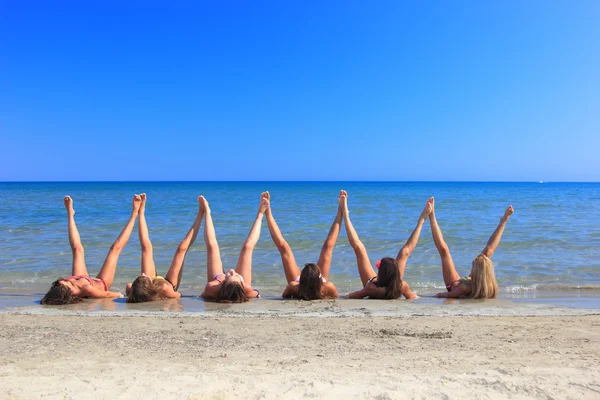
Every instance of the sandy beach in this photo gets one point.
(227, 356)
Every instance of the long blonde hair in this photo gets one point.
(146, 288)
(483, 279)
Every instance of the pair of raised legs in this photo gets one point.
(291, 270)
(242, 274)
(456, 286)
(107, 272)
(365, 269)
(148, 267)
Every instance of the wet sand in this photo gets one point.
(314, 350)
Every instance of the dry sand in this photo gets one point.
(272, 357)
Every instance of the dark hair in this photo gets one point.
(145, 289)
(310, 282)
(232, 292)
(389, 278)
(59, 295)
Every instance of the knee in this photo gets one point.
(283, 247)
(77, 248)
(358, 247)
(247, 247)
(211, 244)
(182, 248)
(146, 247)
(328, 246)
(405, 252)
(443, 249)
(116, 247)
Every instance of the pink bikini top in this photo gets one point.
(89, 279)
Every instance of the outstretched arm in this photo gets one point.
(362, 258)
(412, 241)
(176, 268)
(406, 292)
(244, 265)
(492, 244)
(287, 256)
(107, 272)
(101, 294)
(78, 267)
(324, 262)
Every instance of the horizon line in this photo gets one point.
(293, 181)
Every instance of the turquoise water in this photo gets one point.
(552, 243)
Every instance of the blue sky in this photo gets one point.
(300, 90)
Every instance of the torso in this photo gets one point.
(84, 282)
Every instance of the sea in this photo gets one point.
(550, 247)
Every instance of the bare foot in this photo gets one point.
(137, 203)
(432, 202)
(203, 204)
(143, 205)
(266, 195)
(428, 208)
(264, 205)
(343, 201)
(509, 211)
(69, 205)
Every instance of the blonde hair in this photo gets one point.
(146, 288)
(483, 279)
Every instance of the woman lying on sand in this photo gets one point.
(387, 283)
(79, 285)
(481, 283)
(149, 286)
(313, 282)
(236, 285)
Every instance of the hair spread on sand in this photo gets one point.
(59, 295)
(145, 288)
(389, 278)
(232, 292)
(483, 278)
(310, 282)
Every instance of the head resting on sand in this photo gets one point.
(61, 292)
(310, 284)
(483, 278)
(388, 277)
(145, 288)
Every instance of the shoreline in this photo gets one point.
(193, 306)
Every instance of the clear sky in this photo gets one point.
(300, 90)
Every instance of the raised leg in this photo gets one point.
(78, 267)
(448, 269)
(287, 256)
(412, 241)
(176, 268)
(107, 272)
(365, 269)
(244, 265)
(324, 262)
(214, 264)
(148, 267)
(494, 241)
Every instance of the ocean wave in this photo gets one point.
(551, 287)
